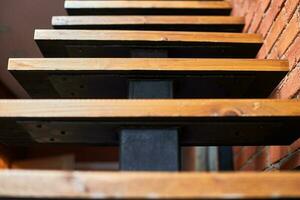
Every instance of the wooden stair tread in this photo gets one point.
(109, 77)
(148, 4)
(152, 7)
(212, 108)
(104, 20)
(59, 184)
(202, 122)
(97, 43)
(183, 23)
(155, 36)
(145, 64)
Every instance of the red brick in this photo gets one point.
(273, 54)
(265, 4)
(261, 161)
(262, 54)
(270, 16)
(276, 29)
(237, 149)
(248, 152)
(295, 146)
(257, 18)
(249, 167)
(292, 163)
(289, 34)
(238, 161)
(290, 6)
(277, 153)
(293, 53)
(249, 16)
(289, 87)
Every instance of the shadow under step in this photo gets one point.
(157, 23)
(108, 7)
(113, 77)
(112, 43)
(199, 122)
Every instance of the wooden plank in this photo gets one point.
(91, 185)
(148, 7)
(155, 36)
(145, 64)
(108, 78)
(202, 122)
(150, 108)
(178, 23)
(112, 43)
(145, 0)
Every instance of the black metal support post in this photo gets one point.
(225, 158)
(151, 148)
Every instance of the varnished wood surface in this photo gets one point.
(145, 0)
(91, 185)
(145, 64)
(201, 122)
(148, 4)
(148, 7)
(156, 23)
(136, 20)
(124, 44)
(149, 108)
(154, 36)
(109, 77)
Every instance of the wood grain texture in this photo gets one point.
(108, 78)
(145, 64)
(148, 4)
(151, 36)
(149, 108)
(91, 185)
(152, 23)
(142, 20)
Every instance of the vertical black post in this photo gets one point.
(225, 158)
(151, 148)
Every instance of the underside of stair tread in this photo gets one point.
(178, 23)
(68, 185)
(201, 122)
(109, 77)
(148, 7)
(113, 43)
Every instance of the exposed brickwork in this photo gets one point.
(278, 21)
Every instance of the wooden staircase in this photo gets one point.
(149, 77)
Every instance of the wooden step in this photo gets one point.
(201, 122)
(109, 185)
(110, 77)
(108, 7)
(112, 43)
(171, 23)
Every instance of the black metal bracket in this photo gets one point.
(151, 148)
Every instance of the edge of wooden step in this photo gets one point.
(183, 108)
(91, 185)
(145, 64)
(148, 4)
(154, 36)
(144, 20)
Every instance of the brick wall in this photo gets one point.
(278, 21)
